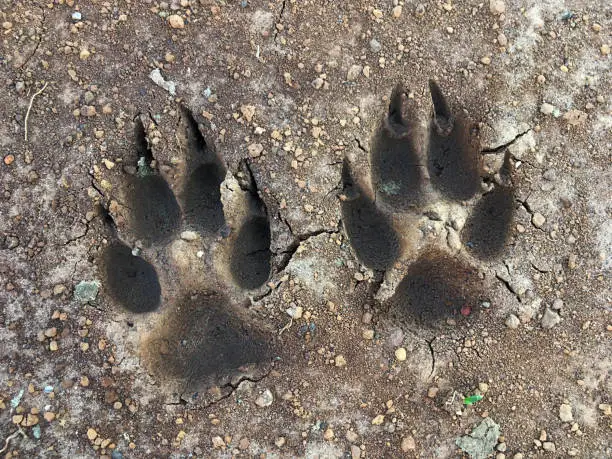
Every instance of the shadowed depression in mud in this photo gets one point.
(397, 170)
(453, 154)
(436, 286)
(204, 340)
(154, 212)
(130, 280)
(201, 195)
(369, 230)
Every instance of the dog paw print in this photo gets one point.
(180, 260)
(421, 180)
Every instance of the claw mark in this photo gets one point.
(453, 160)
(369, 230)
(397, 172)
(202, 194)
(251, 255)
(155, 215)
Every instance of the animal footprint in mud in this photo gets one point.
(201, 338)
(418, 178)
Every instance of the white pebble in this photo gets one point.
(497, 6)
(565, 413)
(538, 220)
(189, 236)
(512, 321)
(547, 108)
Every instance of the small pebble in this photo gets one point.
(92, 434)
(265, 399)
(375, 45)
(328, 434)
(565, 413)
(295, 312)
(397, 11)
(280, 442)
(538, 220)
(189, 236)
(400, 354)
(51, 332)
(340, 361)
(547, 109)
(318, 83)
(353, 72)
(497, 6)
(176, 21)
(255, 150)
(550, 319)
(408, 443)
(218, 442)
(244, 443)
(512, 322)
(378, 420)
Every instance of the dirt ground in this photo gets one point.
(294, 87)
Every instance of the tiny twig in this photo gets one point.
(25, 123)
(286, 327)
(19, 431)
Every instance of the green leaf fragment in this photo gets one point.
(472, 399)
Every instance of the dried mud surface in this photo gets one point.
(328, 357)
